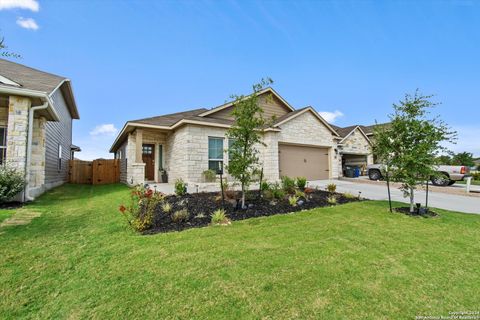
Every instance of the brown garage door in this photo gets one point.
(303, 161)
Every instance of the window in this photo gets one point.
(215, 154)
(147, 149)
(3, 144)
(59, 157)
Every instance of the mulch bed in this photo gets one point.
(425, 214)
(11, 205)
(200, 206)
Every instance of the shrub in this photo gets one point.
(219, 217)
(180, 187)
(288, 185)
(301, 183)
(210, 175)
(309, 190)
(332, 200)
(331, 187)
(166, 207)
(293, 200)
(11, 183)
(349, 195)
(476, 176)
(299, 194)
(276, 191)
(180, 215)
(228, 190)
(143, 202)
(264, 186)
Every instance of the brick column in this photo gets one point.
(37, 160)
(18, 109)
(138, 147)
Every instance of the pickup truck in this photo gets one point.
(449, 174)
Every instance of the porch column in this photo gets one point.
(138, 146)
(18, 108)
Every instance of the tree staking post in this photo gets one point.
(220, 171)
(388, 188)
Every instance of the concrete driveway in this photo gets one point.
(452, 202)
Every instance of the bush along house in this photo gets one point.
(36, 114)
(183, 145)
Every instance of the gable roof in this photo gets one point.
(28, 81)
(292, 115)
(169, 119)
(230, 103)
(201, 117)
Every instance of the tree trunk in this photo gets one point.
(412, 201)
(243, 195)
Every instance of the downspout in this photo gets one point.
(26, 193)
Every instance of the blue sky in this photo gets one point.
(352, 59)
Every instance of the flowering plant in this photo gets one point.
(139, 213)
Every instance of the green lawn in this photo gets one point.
(4, 214)
(356, 261)
(474, 182)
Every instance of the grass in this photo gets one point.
(474, 182)
(356, 261)
(4, 214)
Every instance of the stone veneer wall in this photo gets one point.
(356, 143)
(37, 160)
(17, 131)
(308, 130)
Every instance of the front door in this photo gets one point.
(148, 157)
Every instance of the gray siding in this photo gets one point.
(58, 133)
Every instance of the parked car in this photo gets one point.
(449, 174)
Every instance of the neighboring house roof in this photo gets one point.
(28, 81)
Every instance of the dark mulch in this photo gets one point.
(11, 205)
(425, 213)
(200, 206)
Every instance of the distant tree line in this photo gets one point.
(457, 159)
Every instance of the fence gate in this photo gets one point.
(99, 171)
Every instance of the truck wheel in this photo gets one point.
(441, 180)
(452, 182)
(374, 174)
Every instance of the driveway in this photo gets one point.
(454, 202)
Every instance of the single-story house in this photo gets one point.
(183, 145)
(36, 113)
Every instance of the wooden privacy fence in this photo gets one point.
(94, 172)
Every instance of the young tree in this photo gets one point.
(4, 52)
(412, 142)
(245, 135)
(463, 159)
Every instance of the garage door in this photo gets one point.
(303, 161)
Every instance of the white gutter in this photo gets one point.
(26, 194)
(32, 93)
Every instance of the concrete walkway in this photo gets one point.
(452, 202)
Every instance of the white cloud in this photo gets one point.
(19, 4)
(331, 116)
(107, 129)
(27, 23)
(468, 140)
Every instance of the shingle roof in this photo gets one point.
(170, 119)
(29, 78)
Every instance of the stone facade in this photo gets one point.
(356, 143)
(18, 109)
(186, 149)
(37, 160)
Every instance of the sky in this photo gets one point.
(350, 60)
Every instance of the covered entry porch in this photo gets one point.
(143, 157)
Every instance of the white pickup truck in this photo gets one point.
(449, 174)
